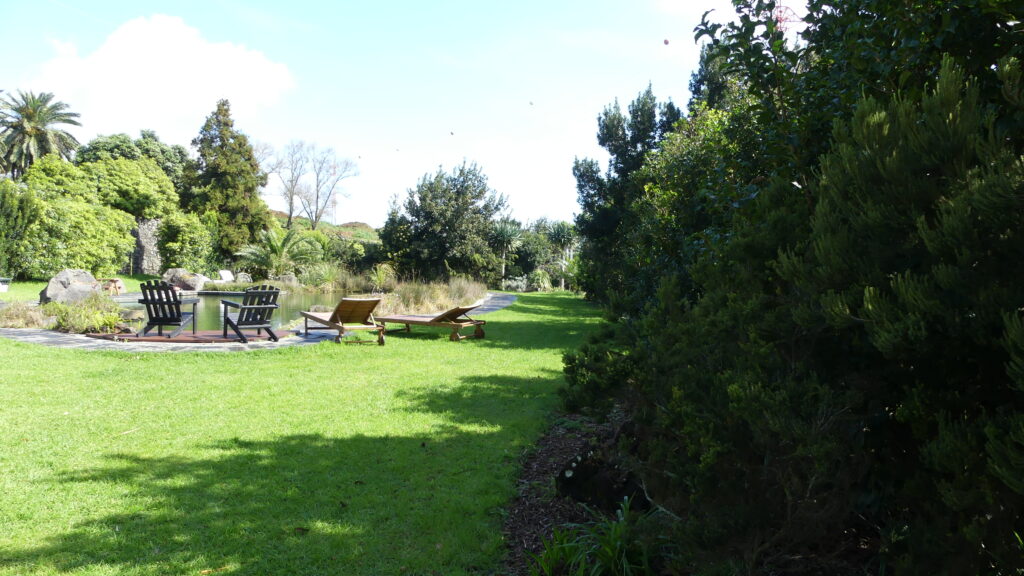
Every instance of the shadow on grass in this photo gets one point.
(308, 504)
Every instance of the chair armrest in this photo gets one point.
(260, 307)
(230, 303)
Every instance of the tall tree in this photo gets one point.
(605, 200)
(507, 236)
(563, 236)
(290, 166)
(28, 129)
(444, 224)
(226, 179)
(327, 171)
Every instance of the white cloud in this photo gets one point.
(159, 73)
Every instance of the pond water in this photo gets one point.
(209, 311)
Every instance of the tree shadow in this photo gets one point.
(426, 503)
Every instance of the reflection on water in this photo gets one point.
(209, 311)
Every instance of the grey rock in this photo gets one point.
(69, 286)
(146, 257)
(184, 279)
(288, 279)
(243, 277)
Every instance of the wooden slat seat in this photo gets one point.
(164, 308)
(349, 315)
(457, 318)
(253, 313)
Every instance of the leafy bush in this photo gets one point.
(517, 284)
(75, 234)
(184, 242)
(382, 277)
(138, 187)
(538, 280)
(95, 314)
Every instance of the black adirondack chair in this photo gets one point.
(163, 308)
(254, 312)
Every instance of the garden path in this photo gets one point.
(494, 301)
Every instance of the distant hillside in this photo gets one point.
(353, 230)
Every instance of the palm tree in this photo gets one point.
(27, 130)
(278, 252)
(507, 236)
(563, 236)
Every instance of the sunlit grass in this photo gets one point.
(326, 459)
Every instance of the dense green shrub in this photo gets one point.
(19, 209)
(183, 242)
(96, 314)
(538, 280)
(819, 341)
(75, 234)
(137, 187)
(444, 226)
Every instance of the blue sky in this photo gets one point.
(400, 88)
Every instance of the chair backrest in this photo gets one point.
(258, 305)
(161, 301)
(453, 314)
(354, 310)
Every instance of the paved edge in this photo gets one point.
(490, 303)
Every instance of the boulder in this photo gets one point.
(288, 279)
(243, 277)
(185, 280)
(70, 286)
(226, 276)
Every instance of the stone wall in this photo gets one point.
(146, 258)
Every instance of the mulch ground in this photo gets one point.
(537, 509)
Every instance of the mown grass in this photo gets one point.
(325, 459)
(28, 291)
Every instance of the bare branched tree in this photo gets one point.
(327, 173)
(290, 166)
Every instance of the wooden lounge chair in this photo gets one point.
(163, 308)
(350, 314)
(456, 319)
(258, 305)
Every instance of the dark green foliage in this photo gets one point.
(824, 356)
(918, 220)
(108, 148)
(444, 226)
(170, 159)
(225, 182)
(19, 209)
(184, 242)
(605, 200)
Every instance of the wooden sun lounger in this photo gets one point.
(456, 319)
(350, 314)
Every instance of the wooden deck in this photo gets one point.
(186, 337)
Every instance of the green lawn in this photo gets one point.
(325, 459)
(29, 291)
